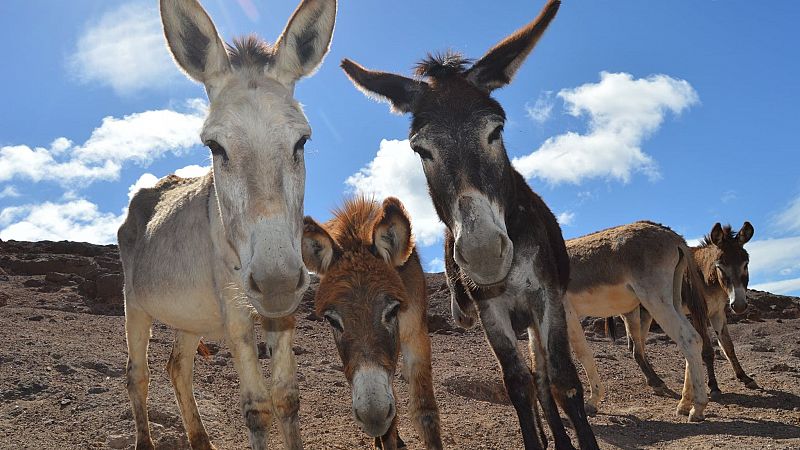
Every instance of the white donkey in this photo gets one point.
(199, 254)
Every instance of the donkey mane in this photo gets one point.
(727, 233)
(442, 65)
(351, 225)
(250, 51)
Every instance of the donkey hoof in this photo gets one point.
(715, 395)
(145, 445)
(695, 417)
(751, 384)
(591, 410)
(683, 410)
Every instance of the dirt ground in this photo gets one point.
(63, 355)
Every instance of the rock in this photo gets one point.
(109, 287)
(97, 390)
(36, 318)
(56, 277)
(120, 440)
(781, 367)
(3, 299)
(33, 282)
(299, 350)
(65, 369)
(762, 348)
(88, 289)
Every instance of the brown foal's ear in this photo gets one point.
(717, 235)
(396, 90)
(391, 234)
(746, 233)
(497, 67)
(320, 251)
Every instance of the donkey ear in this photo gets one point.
(305, 41)
(746, 233)
(319, 248)
(391, 234)
(193, 40)
(396, 90)
(717, 235)
(497, 67)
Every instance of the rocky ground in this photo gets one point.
(62, 361)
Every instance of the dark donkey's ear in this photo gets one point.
(396, 90)
(746, 233)
(391, 234)
(497, 67)
(717, 234)
(319, 248)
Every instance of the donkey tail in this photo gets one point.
(688, 286)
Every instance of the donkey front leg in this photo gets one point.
(279, 334)
(516, 375)
(563, 376)
(416, 348)
(137, 333)
(720, 324)
(581, 348)
(255, 402)
(181, 368)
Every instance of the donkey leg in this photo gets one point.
(279, 334)
(578, 341)
(416, 348)
(564, 379)
(137, 333)
(708, 360)
(544, 388)
(181, 368)
(516, 375)
(720, 324)
(694, 397)
(634, 326)
(255, 401)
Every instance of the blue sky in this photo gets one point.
(682, 112)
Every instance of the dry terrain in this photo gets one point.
(62, 363)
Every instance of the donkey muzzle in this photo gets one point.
(373, 401)
(482, 247)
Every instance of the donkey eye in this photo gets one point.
(334, 322)
(422, 152)
(495, 134)
(300, 145)
(217, 149)
(390, 314)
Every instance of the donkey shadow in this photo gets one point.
(629, 432)
(767, 399)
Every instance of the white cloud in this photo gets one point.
(125, 49)
(77, 220)
(192, 171)
(774, 256)
(791, 286)
(566, 218)
(790, 218)
(396, 171)
(146, 180)
(622, 113)
(435, 265)
(9, 191)
(540, 111)
(139, 137)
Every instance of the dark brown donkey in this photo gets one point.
(372, 292)
(721, 262)
(503, 247)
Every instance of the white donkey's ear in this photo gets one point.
(193, 40)
(305, 41)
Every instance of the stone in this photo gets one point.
(120, 440)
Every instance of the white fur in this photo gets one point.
(373, 400)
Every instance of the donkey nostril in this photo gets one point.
(302, 280)
(254, 285)
(502, 247)
(391, 412)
